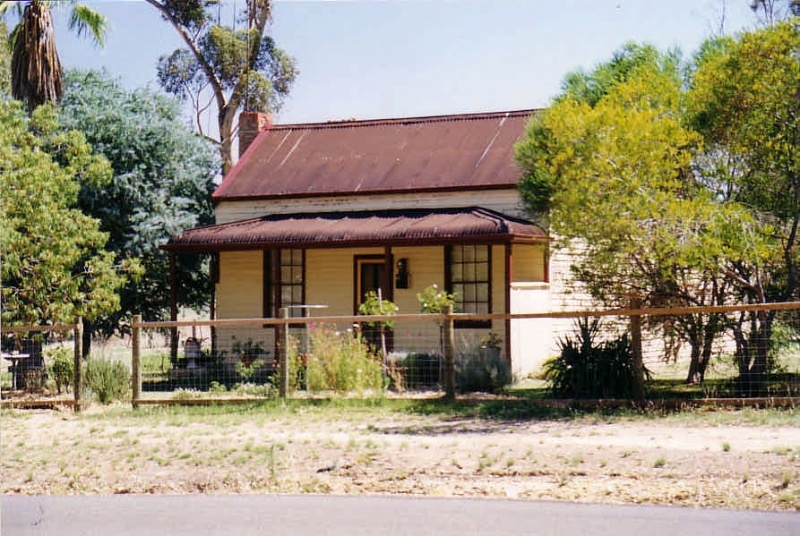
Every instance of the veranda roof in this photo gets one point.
(364, 228)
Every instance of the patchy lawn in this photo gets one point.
(731, 459)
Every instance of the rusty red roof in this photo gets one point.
(341, 229)
(466, 151)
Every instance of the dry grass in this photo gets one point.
(307, 448)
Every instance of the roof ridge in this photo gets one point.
(350, 123)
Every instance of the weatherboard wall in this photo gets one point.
(506, 201)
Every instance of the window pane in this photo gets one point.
(286, 274)
(286, 295)
(482, 272)
(482, 292)
(482, 253)
(297, 274)
(469, 293)
(458, 272)
(458, 290)
(457, 253)
(469, 253)
(469, 272)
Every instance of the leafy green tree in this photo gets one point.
(610, 164)
(240, 67)
(55, 266)
(5, 60)
(162, 180)
(744, 101)
(36, 73)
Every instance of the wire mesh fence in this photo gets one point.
(40, 361)
(736, 351)
(343, 355)
(723, 351)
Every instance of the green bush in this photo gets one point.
(484, 371)
(433, 300)
(108, 380)
(421, 369)
(339, 362)
(586, 369)
(62, 366)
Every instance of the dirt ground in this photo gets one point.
(694, 462)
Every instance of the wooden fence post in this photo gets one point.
(77, 374)
(136, 372)
(283, 355)
(449, 355)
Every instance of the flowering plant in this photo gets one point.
(434, 300)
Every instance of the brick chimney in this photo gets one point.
(250, 124)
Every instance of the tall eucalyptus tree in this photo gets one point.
(224, 68)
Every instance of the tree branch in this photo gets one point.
(219, 92)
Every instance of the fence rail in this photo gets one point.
(751, 350)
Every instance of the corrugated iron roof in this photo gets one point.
(379, 156)
(341, 229)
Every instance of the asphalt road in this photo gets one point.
(327, 515)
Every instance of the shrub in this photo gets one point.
(482, 371)
(108, 380)
(258, 390)
(186, 394)
(247, 371)
(376, 305)
(587, 369)
(421, 369)
(375, 332)
(339, 362)
(782, 340)
(433, 300)
(62, 367)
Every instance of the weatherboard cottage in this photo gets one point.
(320, 214)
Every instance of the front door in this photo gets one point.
(371, 276)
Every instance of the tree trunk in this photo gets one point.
(760, 368)
(702, 342)
(752, 353)
(694, 375)
(709, 334)
(36, 76)
(636, 351)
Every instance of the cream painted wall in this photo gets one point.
(498, 292)
(426, 267)
(528, 262)
(506, 201)
(240, 295)
(239, 291)
(329, 279)
(532, 340)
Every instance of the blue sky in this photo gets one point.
(393, 58)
